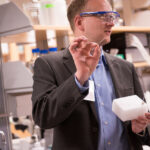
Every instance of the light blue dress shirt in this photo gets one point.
(111, 130)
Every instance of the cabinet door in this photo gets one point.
(5, 136)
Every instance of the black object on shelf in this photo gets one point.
(117, 41)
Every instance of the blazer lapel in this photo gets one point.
(93, 108)
(114, 73)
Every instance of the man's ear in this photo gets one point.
(78, 22)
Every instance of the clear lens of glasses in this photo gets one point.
(108, 17)
(105, 16)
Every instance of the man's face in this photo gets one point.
(95, 29)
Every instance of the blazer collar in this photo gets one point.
(113, 69)
(109, 59)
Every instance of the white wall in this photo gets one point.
(140, 18)
(3, 1)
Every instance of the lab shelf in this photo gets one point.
(63, 32)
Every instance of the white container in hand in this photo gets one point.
(129, 108)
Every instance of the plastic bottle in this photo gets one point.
(37, 146)
(53, 49)
(35, 55)
(43, 52)
(37, 131)
(53, 12)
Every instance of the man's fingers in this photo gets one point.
(90, 48)
(84, 45)
(97, 52)
(87, 48)
(141, 125)
(138, 126)
(141, 120)
(81, 46)
(73, 47)
(81, 38)
(147, 115)
(79, 43)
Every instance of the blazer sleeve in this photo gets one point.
(52, 103)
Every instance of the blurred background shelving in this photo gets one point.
(20, 45)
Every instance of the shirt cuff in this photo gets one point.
(84, 87)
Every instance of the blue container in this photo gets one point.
(35, 50)
(53, 49)
(44, 51)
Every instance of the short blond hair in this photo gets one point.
(75, 7)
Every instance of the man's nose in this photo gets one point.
(110, 23)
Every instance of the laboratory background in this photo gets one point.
(33, 28)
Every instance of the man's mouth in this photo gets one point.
(108, 32)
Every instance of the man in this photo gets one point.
(62, 81)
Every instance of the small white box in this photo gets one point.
(129, 108)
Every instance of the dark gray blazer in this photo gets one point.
(58, 103)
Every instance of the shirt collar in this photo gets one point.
(103, 59)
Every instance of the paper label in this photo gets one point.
(90, 96)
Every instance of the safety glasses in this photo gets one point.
(106, 16)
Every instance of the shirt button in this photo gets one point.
(109, 143)
(98, 85)
(102, 103)
(106, 123)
